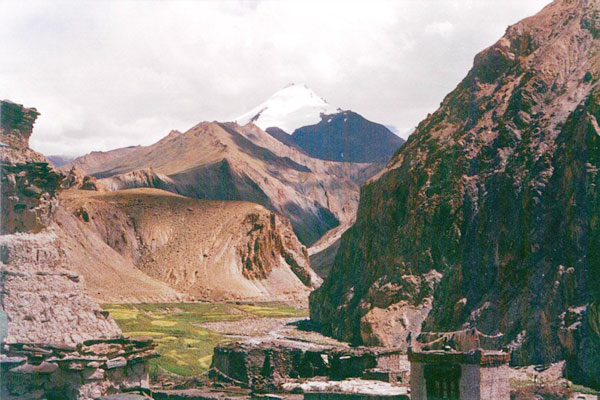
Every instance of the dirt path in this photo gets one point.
(271, 328)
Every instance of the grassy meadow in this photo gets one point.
(185, 347)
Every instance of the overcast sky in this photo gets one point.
(109, 74)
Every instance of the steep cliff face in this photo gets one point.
(28, 182)
(209, 250)
(487, 216)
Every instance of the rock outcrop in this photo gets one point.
(28, 181)
(56, 342)
(487, 216)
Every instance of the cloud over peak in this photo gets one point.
(111, 74)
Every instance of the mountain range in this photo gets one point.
(218, 203)
(146, 245)
(298, 117)
(228, 161)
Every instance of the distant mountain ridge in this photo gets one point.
(347, 136)
(226, 161)
(59, 160)
(298, 117)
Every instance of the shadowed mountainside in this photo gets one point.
(487, 216)
(347, 136)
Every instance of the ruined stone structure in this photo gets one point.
(267, 364)
(56, 342)
(475, 375)
(392, 366)
(352, 396)
(264, 364)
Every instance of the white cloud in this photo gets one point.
(113, 73)
(444, 28)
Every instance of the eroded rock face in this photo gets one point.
(16, 123)
(28, 181)
(497, 192)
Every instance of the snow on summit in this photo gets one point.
(290, 108)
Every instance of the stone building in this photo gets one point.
(458, 373)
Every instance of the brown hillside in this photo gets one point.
(231, 162)
(211, 250)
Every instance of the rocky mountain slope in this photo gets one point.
(487, 216)
(148, 245)
(347, 136)
(220, 161)
(209, 250)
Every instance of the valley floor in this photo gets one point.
(186, 333)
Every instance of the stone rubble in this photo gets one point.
(58, 341)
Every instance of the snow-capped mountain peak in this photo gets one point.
(290, 108)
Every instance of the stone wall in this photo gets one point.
(482, 376)
(393, 360)
(476, 382)
(267, 363)
(57, 343)
(44, 300)
(28, 182)
(86, 371)
(470, 382)
(417, 381)
(352, 396)
(264, 365)
(351, 363)
(494, 383)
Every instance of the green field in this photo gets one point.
(186, 349)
